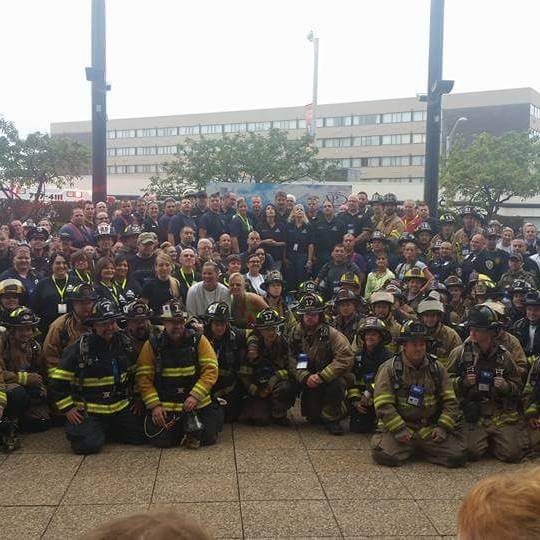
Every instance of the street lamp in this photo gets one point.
(451, 134)
(315, 40)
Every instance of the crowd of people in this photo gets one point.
(158, 322)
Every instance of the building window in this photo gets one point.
(147, 132)
(259, 126)
(418, 161)
(145, 168)
(397, 117)
(419, 116)
(210, 129)
(167, 132)
(372, 161)
(338, 142)
(284, 124)
(535, 111)
(188, 130)
(164, 150)
(125, 133)
(366, 119)
(404, 138)
(121, 152)
(235, 128)
(367, 140)
(146, 151)
(111, 134)
(338, 121)
(302, 124)
(395, 161)
(111, 169)
(419, 138)
(111, 152)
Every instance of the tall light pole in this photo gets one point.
(96, 75)
(436, 88)
(448, 142)
(315, 40)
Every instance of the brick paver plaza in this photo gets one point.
(256, 483)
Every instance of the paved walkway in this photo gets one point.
(256, 483)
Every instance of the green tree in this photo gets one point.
(491, 170)
(247, 158)
(38, 161)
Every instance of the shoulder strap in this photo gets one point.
(397, 372)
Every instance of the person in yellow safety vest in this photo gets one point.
(90, 385)
(488, 386)
(175, 375)
(416, 406)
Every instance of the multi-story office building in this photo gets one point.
(381, 143)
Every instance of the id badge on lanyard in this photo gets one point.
(416, 395)
(484, 381)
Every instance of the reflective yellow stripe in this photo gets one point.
(327, 373)
(199, 391)
(384, 398)
(51, 371)
(532, 409)
(178, 372)
(449, 395)
(99, 408)
(65, 403)
(63, 375)
(425, 432)
(353, 392)
(446, 421)
(283, 373)
(150, 398)
(145, 370)
(179, 407)
(103, 381)
(22, 377)
(3, 397)
(395, 424)
(207, 361)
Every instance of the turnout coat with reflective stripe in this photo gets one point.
(168, 373)
(394, 411)
(96, 380)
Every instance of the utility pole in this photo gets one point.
(434, 99)
(315, 40)
(96, 75)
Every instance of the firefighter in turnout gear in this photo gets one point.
(443, 338)
(230, 346)
(488, 386)
(175, 375)
(348, 317)
(391, 224)
(265, 373)
(12, 295)
(68, 328)
(91, 385)
(531, 405)
(373, 335)
(322, 360)
(416, 406)
(22, 372)
(381, 303)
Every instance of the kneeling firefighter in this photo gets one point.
(229, 343)
(265, 373)
(175, 375)
(321, 358)
(373, 335)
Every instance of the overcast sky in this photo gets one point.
(178, 56)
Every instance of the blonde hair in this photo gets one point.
(502, 507)
(150, 526)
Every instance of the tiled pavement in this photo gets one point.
(296, 482)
